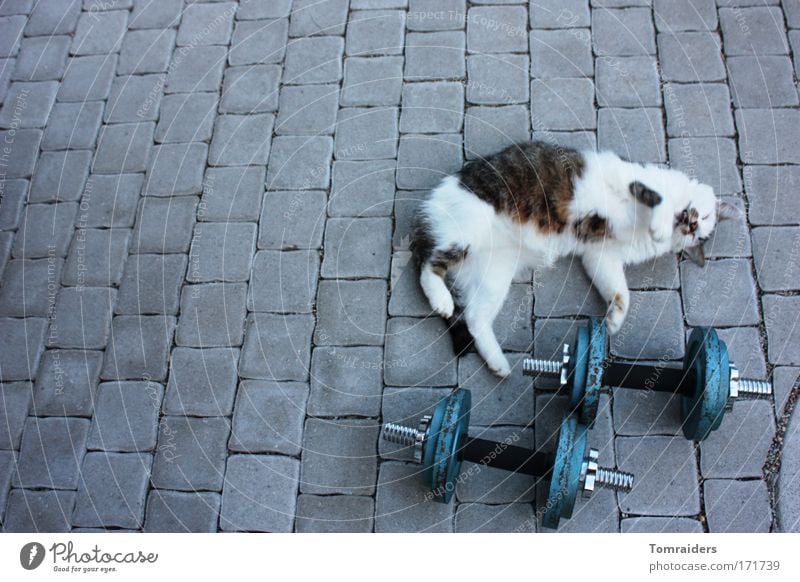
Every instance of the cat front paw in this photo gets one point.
(615, 316)
(661, 226)
(499, 366)
(442, 303)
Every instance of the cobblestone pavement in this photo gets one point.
(207, 306)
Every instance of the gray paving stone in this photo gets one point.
(721, 293)
(661, 525)
(497, 79)
(13, 412)
(284, 282)
(372, 81)
(711, 160)
(563, 104)
(113, 490)
(51, 453)
(163, 14)
(653, 328)
(201, 382)
(497, 29)
(362, 188)
(424, 160)
(232, 194)
(628, 82)
(344, 235)
(261, 10)
(766, 135)
(481, 518)
(429, 15)
(435, 55)
(292, 220)
(762, 81)
(123, 148)
(432, 108)
(421, 353)
(339, 456)
(241, 140)
(28, 104)
(732, 237)
(212, 315)
(774, 250)
(513, 326)
(573, 139)
(139, 347)
(405, 206)
(45, 230)
(300, 163)
(66, 383)
(258, 41)
(53, 17)
(554, 297)
(39, 511)
(21, 157)
(367, 134)
(97, 257)
(792, 13)
(20, 7)
(99, 33)
(308, 110)
(635, 134)
(15, 193)
(203, 24)
(625, 32)
(73, 126)
(311, 17)
(334, 514)
(787, 516)
(164, 225)
(691, 57)
(196, 68)
(406, 406)
(350, 313)
(737, 506)
(739, 447)
(478, 483)
(250, 89)
(186, 117)
(314, 60)
(11, 29)
(41, 58)
(757, 29)
(268, 417)
(60, 176)
(780, 315)
(259, 494)
(784, 380)
(559, 14)
(404, 504)
(659, 273)
(744, 348)
(346, 381)
(656, 460)
(694, 15)
(770, 194)
(151, 285)
(698, 110)
(407, 297)
(6, 240)
(561, 53)
(221, 251)
(6, 68)
(375, 32)
(88, 78)
(496, 402)
(646, 412)
(21, 346)
(175, 512)
(277, 347)
(191, 452)
(29, 287)
(8, 460)
(126, 416)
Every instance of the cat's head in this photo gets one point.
(696, 217)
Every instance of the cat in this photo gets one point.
(535, 202)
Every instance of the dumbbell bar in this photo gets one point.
(708, 382)
(441, 443)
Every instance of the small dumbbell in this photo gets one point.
(441, 443)
(708, 382)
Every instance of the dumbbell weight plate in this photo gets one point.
(441, 461)
(707, 359)
(587, 376)
(565, 478)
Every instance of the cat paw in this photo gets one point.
(661, 226)
(615, 316)
(499, 366)
(443, 304)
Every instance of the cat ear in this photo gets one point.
(727, 211)
(696, 254)
(644, 194)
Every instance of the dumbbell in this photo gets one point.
(708, 382)
(441, 444)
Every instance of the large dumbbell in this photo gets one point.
(441, 444)
(708, 382)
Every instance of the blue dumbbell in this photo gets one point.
(441, 444)
(708, 382)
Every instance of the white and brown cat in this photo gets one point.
(535, 202)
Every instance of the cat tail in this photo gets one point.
(459, 332)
